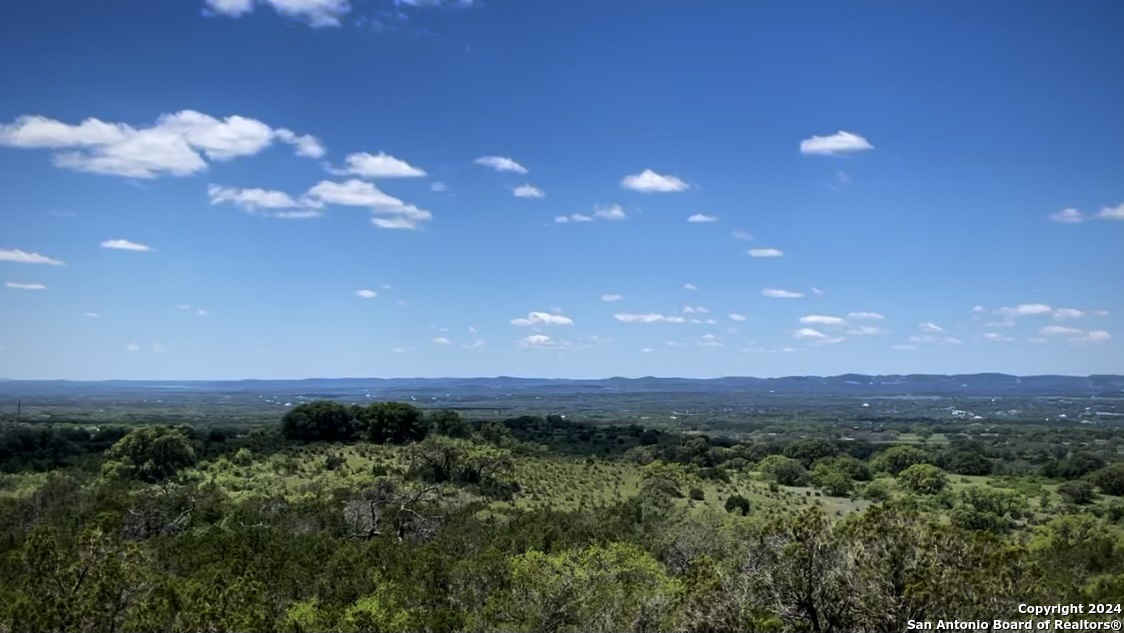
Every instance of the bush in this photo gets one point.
(739, 504)
(153, 453)
(1110, 479)
(697, 494)
(923, 479)
(1078, 492)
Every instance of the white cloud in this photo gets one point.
(649, 317)
(273, 204)
(865, 330)
(649, 181)
(1067, 216)
(437, 186)
(737, 317)
(710, 340)
(92, 315)
(1061, 314)
(23, 257)
(689, 287)
(126, 245)
(646, 350)
(133, 347)
(610, 213)
(904, 347)
(1100, 313)
(476, 343)
(366, 294)
(931, 328)
(1096, 336)
(702, 217)
(743, 236)
(175, 145)
(381, 165)
(809, 333)
(576, 217)
(542, 318)
(997, 337)
(979, 309)
(158, 348)
(611, 297)
(1058, 330)
(528, 191)
(202, 312)
(23, 286)
(441, 340)
(1025, 309)
(819, 319)
(939, 340)
(694, 310)
(304, 145)
(839, 143)
(184, 306)
(364, 194)
(869, 316)
(501, 163)
(1112, 213)
(777, 293)
(765, 252)
(817, 291)
(315, 13)
(541, 341)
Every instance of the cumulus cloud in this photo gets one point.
(542, 318)
(366, 294)
(694, 310)
(904, 347)
(816, 336)
(820, 319)
(126, 245)
(1112, 213)
(934, 340)
(315, 13)
(92, 315)
(1074, 335)
(611, 213)
(541, 341)
(528, 191)
(765, 252)
(133, 347)
(836, 144)
(576, 217)
(702, 217)
(1061, 314)
(611, 297)
(264, 202)
(778, 293)
(23, 257)
(441, 340)
(358, 193)
(865, 330)
(710, 340)
(1059, 330)
(437, 186)
(1025, 309)
(649, 181)
(22, 286)
(177, 144)
(381, 165)
(869, 316)
(1067, 216)
(689, 287)
(997, 337)
(930, 328)
(501, 163)
(648, 317)
(737, 317)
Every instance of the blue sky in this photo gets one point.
(293, 188)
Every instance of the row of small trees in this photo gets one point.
(378, 422)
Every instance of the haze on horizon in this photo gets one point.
(438, 188)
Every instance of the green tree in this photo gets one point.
(393, 422)
(1110, 479)
(318, 421)
(784, 470)
(448, 422)
(923, 479)
(1078, 492)
(152, 453)
(738, 504)
(897, 458)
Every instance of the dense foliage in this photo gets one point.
(387, 517)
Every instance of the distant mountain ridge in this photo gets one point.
(853, 384)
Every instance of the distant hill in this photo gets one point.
(984, 384)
